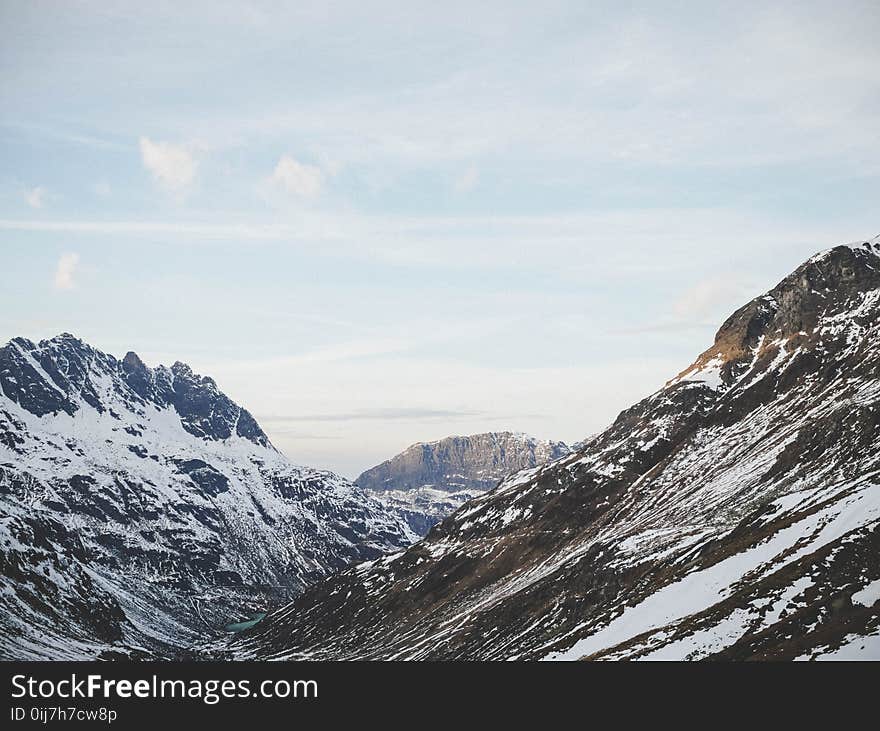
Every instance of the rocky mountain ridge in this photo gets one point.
(733, 514)
(430, 480)
(142, 510)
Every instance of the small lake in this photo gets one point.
(247, 624)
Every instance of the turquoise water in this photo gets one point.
(242, 626)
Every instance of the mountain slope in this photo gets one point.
(430, 480)
(141, 509)
(734, 513)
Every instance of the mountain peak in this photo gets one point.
(866, 247)
(65, 374)
(179, 368)
(473, 462)
(138, 526)
(429, 480)
(66, 336)
(828, 284)
(133, 362)
(67, 342)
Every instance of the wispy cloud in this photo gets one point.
(380, 414)
(700, 306)
(297, 178)
(646, 242)
(710, 296)
(66, 135)
(661, 327)
(337, 352)
(65, 271)
(173, 166)
(467, 181)
(35, 197)
(197, 230)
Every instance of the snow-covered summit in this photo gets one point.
(143, 507)
(64, 374)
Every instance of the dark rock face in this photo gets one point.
(794, 305)
(138, 377)
(204, 410)
(733, 514)
(142, 509)
(209, 479)
(54, 377)
(22, 382)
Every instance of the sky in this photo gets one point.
(376, 223)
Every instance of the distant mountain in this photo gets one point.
(733, 514)
(429, 480)
(141, 510)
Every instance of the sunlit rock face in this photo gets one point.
(431, 480)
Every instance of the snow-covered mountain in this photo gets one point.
(142, 510)
(430, 480)
(734, 513)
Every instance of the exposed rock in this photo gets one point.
(430, 480)
(475, 462)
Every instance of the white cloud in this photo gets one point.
(710, 297)
(35, 197)
(300, 179)
(467, 181)
(66, 270)
(174, 167)
(102, 189)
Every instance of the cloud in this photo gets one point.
(35, 197)
(173, 166)
(701, 306)
(102, 189)
(66, 270)
(708, 297)
(467, 181)
(296, 178)
(661, 327)
(381, 414)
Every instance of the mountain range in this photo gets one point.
(732, 514)
(142, 511)
(430, 480)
